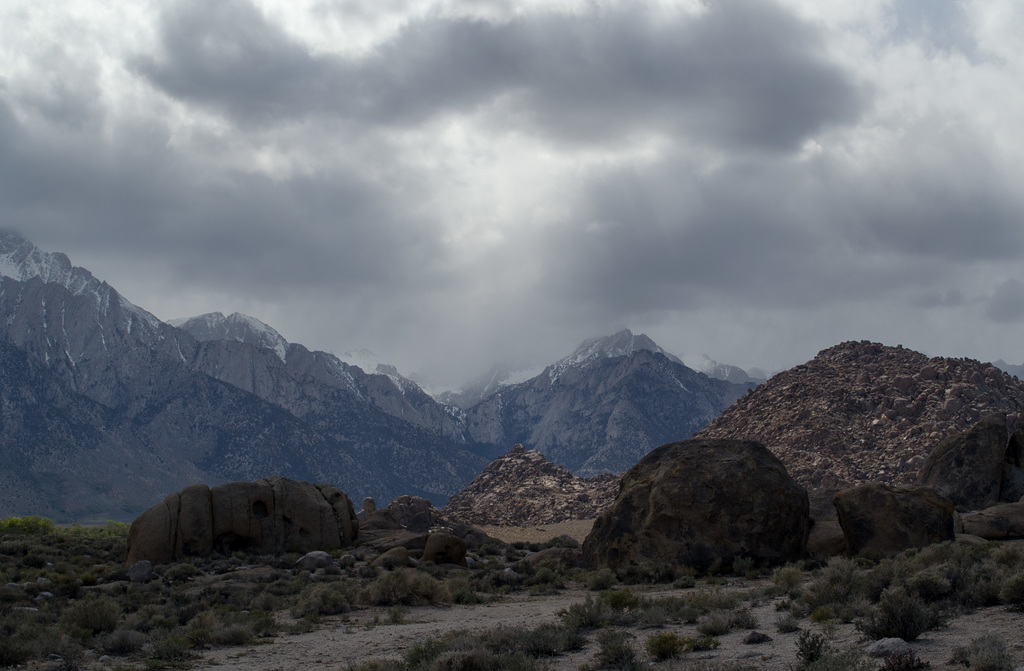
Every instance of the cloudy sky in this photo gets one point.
(450, 183)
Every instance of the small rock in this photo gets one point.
(886, 647)
(393, 558)
(756, 637)
(141, 571)
(43, 596)
(316, 559)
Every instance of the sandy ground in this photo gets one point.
(353, 638)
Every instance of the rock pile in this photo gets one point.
(522, 488)
(702, 503)
(270, 515)
(861, 411)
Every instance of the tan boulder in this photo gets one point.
(195, 532)
(702, 503)
(826, 540)
(880, 520)
(392, 559)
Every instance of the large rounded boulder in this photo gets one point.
(880, 520)
(967, 468)
(270, 515)
(702, 503)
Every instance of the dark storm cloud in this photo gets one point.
(1007, 303)
(225, 229)
(785, 233)
(741, 74)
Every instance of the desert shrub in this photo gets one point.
(591, 613)
(787, 577)
(181, 572)
(684, 582)
(14, 649)
(705, 600)
(461, 650)
(1011, 592)
(664, 645)
(744, 619)
(645, 574)
(265, 601)
(601, 579)
(615, 651)
(172, 649)
(90, 616)
(903, 662)
(124, 642)
(930, 585)
(1009, 555)
(620, 599)
(233, 634)
(810, 647)
(331, 598)
(544, 641)
(985, 653)
(716, 623)
(846, 659)
(742, 565)
(787, 625)
(407, 587)
(898, 615)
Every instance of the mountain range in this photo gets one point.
(104, 409)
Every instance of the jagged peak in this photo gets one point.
(623, 343)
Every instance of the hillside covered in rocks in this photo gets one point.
(863, 411)
(522, 488)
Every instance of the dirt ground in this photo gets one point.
(576, 529)
(356, 637)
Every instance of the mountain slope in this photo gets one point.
(604, 407)
(863, 411)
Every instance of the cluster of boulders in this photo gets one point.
(705, 502)
(277, 515)
(864, 412)
(523, 488)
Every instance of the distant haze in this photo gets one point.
(450, 184)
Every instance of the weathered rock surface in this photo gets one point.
(826, 540)
(311, 561)
(442, 548)
(702, 503)
(880, 520)
(523, 488)
(968, 468)
(393, 558)
(861, 411)
(270, 515)
(1002, 522)
(414, 513)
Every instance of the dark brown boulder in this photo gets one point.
(880, 520)
(702, 503)
(270, 515)
(826, 540)
(1002, 522)
(1012, 489)
(967, 468)
(444, 548)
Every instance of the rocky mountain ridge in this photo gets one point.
(863, 411)
(522, 488)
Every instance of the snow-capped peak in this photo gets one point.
(236, 327)
(22, 261)
(622, 343)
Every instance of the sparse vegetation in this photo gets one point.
(64, 591)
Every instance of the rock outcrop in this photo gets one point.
(880, 520)
(998, 523)
(861, 411)
(968, 468)
(522, 488)
(702, 503)
(270, 515)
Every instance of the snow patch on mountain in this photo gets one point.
(237, 327)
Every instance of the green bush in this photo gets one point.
(331, 598)
(620, 599)
(847, 659)
(684, 582)
(716, 623)
(810, 647)
(31, 525)
(124, 642)
(601, 579)
(787, 577)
